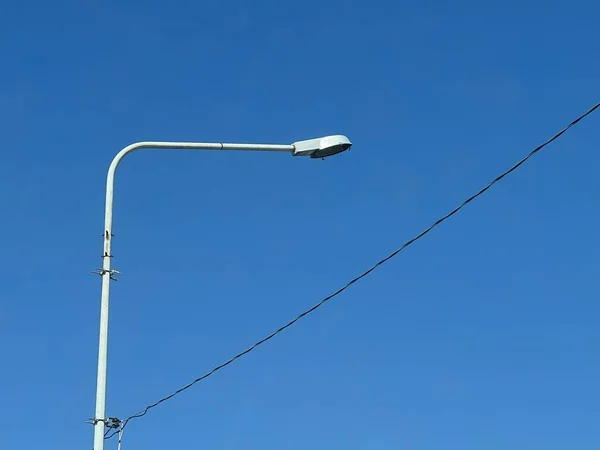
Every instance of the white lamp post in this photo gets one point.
(315, 148)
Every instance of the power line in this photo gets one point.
(361, 276)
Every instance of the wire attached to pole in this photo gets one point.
(359, 277)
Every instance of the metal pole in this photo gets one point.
(107, 272)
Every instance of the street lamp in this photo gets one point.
(315, 148)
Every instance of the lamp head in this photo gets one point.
(322, 147)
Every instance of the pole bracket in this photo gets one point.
(111, 422)
(112, 272)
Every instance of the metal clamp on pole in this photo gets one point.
(101, 272)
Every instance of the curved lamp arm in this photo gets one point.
(314, 148)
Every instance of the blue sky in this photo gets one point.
(481, 336)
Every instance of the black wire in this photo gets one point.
(364, 274)
(116, 431)
(113, 424)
